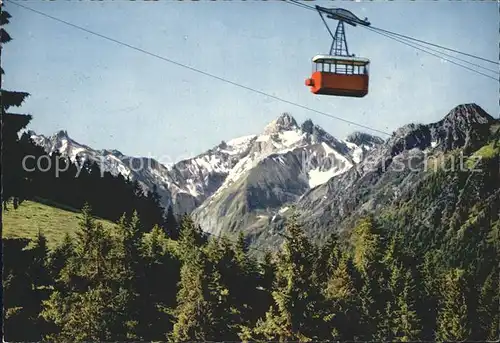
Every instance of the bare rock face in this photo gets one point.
(251, 183)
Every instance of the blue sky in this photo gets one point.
(109, 96)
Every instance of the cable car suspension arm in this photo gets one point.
(324, 21)
(365, 23)
(339, 43)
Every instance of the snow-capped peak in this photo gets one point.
(284, 122)
(322, 155)
(190, 182)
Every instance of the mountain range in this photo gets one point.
(253, 183)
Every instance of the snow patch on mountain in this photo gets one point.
(195, 181)
(283, 209)
(243, 165)
(318, 177)
(289, 138)
(283, 164)
(237, 145)
(357, 152)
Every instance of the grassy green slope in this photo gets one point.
(53, 221)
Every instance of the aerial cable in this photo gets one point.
(200, 71)
(436, 45)
(451, 56)
(204, 73)
(448, 60)
(295, 2)
(299, 4)
(220, 236)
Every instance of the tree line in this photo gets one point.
(60, 181)
(124, 284)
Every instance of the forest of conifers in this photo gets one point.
(154, 277)
(125, 284)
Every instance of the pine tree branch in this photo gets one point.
(4, 17)
(4, 36)
(12, 98)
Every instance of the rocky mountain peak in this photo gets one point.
(468, 114)
(307, 126)
(465, 126)
(362, 138)
(114, 152)
(285, 122)
(62, 134)
(461, 124)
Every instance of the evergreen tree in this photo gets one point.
(241, 252)
(13, 173)
(21, 290)
(244, 285)
(82, 306)
(262, 300)
(368, 246)
(453, 318)
(489, 307)
(130, 278)
(328, 258)
(295, 314)
(162, 275)
(171, 225)
(342, 300)
(225, 307)
(154, 244)
(79, 317)
(41, 281)
(153, 212)
(267, 271)
(391, 287)
(192, 317)
(59, 256)
(430, 270)
(400, 321)
(40, 261)
(406, 326)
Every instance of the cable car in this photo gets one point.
(339, 73)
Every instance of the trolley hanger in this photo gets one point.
(342, 14)
(339, 73)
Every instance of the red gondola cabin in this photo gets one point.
(339, 75)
